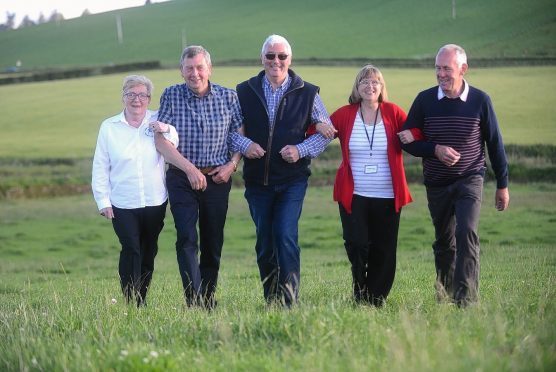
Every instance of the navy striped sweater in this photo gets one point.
(465, 126)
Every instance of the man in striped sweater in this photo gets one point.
(456, 120)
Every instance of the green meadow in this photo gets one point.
(59, 281)
(64, 116)
(60, 304)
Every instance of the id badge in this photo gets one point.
(371, 168)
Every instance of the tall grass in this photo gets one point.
(58, 275)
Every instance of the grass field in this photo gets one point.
(60, 119)
(316, 28)
(58, 276)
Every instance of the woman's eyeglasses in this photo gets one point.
(131, 96)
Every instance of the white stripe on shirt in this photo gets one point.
(371, 185)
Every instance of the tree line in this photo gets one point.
(55, 16)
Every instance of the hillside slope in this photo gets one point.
(317, 29)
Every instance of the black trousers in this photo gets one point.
(455, 211)
(199, 273)
(138, 230)
(370, 235)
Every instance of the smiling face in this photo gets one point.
(449, 74)
(276, 69)
(136, 100)
(196, 73)
(370, 88)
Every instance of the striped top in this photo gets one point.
(371, 174)
(465, 125)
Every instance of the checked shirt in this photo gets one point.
(205, 125)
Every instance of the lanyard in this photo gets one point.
(371, 140)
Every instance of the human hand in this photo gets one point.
(406, 136)
(107, 213)
(502, 199)
(197, 180)
(290, 153)
(159, 127)
(327, 130)
(222, 173)
(254, 151)
(447, 155)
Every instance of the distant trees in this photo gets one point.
(26, 22)
(10, 22)
(56, 16)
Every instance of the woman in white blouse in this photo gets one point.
(129, 184)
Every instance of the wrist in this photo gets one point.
(234, 163)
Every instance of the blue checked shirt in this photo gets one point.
(205, 125)
(313, 145)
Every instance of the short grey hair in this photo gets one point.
(276, 39)
(461, 56)
(132, 81)
(191, 51)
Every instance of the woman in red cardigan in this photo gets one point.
(370, 185)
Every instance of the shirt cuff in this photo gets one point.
(303, 150)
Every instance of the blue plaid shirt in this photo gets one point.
(311, 146)
(205, 125)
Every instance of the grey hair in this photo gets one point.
(134, 80)
(276, 39)
(461, 56)
(368, 71)
(191, 51)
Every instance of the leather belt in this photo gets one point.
(204, 170)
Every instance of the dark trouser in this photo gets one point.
(370, 235)
(275, 211)
(138, 230)
(199, 275)
(455, 213)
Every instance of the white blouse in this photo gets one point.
(371, 174)
(128, 172)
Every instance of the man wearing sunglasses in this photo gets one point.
(280, 111)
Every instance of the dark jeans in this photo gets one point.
(455, 213)
(275, 211)
(370, 235)
(138, 230)
(199, 274)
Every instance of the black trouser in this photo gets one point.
(370, 235)
(138, 230)
(455, 213)
(199, 274)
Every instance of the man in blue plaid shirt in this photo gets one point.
(206, 116)
(280, 112)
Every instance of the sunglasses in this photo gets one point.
(271, 56)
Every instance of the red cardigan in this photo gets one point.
(393, 118)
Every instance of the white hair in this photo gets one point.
(276, 39)
(461, 56)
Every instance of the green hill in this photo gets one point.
(234, 30)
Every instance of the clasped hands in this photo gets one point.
(289, 153)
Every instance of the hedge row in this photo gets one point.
(77, 72)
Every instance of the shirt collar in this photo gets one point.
(121, 117)
(189, 93)
(283, 86)
(462, 96)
